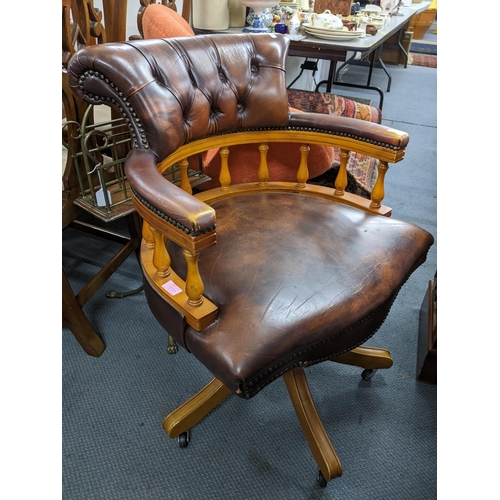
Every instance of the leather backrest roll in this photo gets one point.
(173, 91)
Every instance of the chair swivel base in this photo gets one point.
(195, 408)
(179, 422)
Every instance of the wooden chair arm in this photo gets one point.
(368, 132)
(169, 213)
(181, 217)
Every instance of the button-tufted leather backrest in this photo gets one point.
(173, 91)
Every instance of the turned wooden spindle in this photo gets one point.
(148, 235)
(303, 171)
(184, 183)
(263, 172)
(161, 258)
(378, 192)
(194, 285)
(224, 175)
(341, 179)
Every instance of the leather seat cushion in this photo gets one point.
(297, 279)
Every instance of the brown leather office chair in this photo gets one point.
(257, 280)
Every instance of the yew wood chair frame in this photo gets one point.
(203, 255)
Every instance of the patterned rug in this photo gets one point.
(427, 60)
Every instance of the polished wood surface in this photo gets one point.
(371, 358)
(77, 322)
(195, 408)
(115, 14)
(321, 448)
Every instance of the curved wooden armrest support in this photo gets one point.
(183, 218)
(189, 221)
(176, 292)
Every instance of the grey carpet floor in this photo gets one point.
(384, 430)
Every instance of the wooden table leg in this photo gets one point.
(77, 322)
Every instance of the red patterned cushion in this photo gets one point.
(361, 169)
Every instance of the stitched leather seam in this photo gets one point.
(311, 129)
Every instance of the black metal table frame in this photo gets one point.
(337, 53)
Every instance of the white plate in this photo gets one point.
(340, 33)
(308, 26)
(372, 8)
(323, 36)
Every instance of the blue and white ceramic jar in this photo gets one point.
(267, 17)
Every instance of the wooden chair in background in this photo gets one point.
(77, 201)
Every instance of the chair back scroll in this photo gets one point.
(228, 89)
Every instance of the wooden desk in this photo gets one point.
(370, 46)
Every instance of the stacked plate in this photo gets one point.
(293, 5)
(331, 34)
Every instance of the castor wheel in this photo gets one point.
(368, 373)
(322, 482)
(183, 439)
